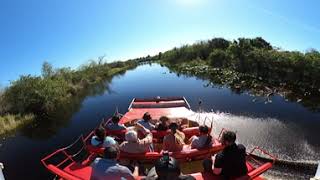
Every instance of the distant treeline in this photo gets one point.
(255, 56)
(39, 96)
(250, 64)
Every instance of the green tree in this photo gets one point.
(219, 58)
(218, 43)
(47, 70)
(259, 42)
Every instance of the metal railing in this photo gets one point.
(1, 172)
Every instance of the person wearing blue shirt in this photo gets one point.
(114, 124)
(101, 140)
(108, 167)
(145, 121)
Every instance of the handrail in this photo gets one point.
(317, 175)
(1, 172)
(131, 103)
(273, 157)
(220, 134)
(69, 146)
(105, 121)
(211, 127)
(158, 99)
(64, 152)
(185, 100)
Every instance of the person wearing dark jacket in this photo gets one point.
(231, 162)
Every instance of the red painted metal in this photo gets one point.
(82, 171)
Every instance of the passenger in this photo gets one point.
(133, 144)
(167, 168)
(164, 123)
(174, 141)
(145, 121)
(182, 122)
(114, 125)
(231, 162)
(204, 140)
(108, 168)
(100, 139)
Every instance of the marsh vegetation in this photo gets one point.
(251, 65)
(42, 97)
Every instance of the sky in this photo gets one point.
(71, 32)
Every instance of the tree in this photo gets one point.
(218, 58)
(259, 42)
(47, 70)
(218, 43)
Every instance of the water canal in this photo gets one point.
(284, 128)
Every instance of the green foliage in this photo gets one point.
(44, 95)
(36, 95)
(252, 56)
(218, 43)
(260, 43)
(254, 63)
(219, 58)
(10, 122)
(47, 70)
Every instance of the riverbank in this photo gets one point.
(9, 122)
(33, 98)
(251, 65)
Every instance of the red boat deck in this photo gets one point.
(157, 107)
(69, 169)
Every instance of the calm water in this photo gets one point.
(286, 129)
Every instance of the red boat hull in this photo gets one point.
(69, 169)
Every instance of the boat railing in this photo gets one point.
(1, 172)
(65, 153)
(159, 102)
(257, 148)
(221, 132)
(317, 175)
(262, 166)
(185, 100)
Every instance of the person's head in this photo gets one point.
(207, 165)
(112, 152)
(173, 127)
(203, 129)
(228, 138)
(164, 120)
(131, 136)
(146, 116)
(100, 133)
(167, 168)
(115, 119)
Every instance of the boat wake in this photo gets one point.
(284, 140)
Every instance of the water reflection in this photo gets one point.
(307, 95)
(286, 129)
(45, 127)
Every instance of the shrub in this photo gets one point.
(219, 58)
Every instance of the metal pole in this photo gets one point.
(317, 176)
(1, 173)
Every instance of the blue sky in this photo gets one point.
(70, 32)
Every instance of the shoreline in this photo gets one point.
(86, 78)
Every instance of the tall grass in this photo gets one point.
(9, 122)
